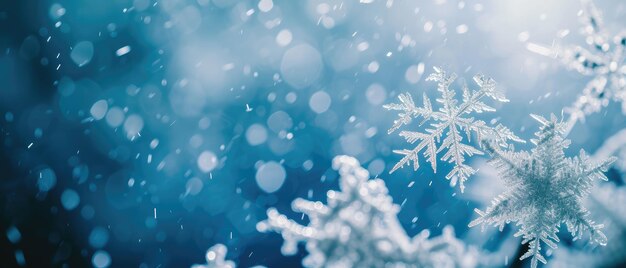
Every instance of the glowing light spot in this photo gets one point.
(270, 176)
(207, 161)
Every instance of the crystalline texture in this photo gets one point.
(603, 58)
(443, 133)
(544, 189)
(215, 258)
(358, 227)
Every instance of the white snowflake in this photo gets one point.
(604, 59)
(358, 227)
(216, 258)
(447, 122)
(544, 189)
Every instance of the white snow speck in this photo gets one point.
(461, 29)
(284, 38)
(122, 51)
(207, 161)
(266, 5)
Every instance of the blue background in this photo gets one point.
(200, 73)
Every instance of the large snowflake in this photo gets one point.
(216, 258)
(448, 122)
(359, 228)
(603, 58)
(545, 189)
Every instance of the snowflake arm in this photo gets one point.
(603, 58)
(358, 227)
(443, 134)
(546, 189)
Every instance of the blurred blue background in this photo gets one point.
(143, 132)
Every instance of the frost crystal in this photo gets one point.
(448, 122)
(604, 60)
(215, 258)
(359, 228)
(545, 189)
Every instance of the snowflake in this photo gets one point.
(545, 189)
(359, 228)
(449, 121)
(215, 258)
(604, 60)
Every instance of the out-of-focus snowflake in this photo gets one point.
(608, 201)
(603, 58)
(545, 189)
(358, 227)
(615, 146)
(448, 122)
(215, 258)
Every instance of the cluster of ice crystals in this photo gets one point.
(544, 189)
(603, 58)
(358, 227)
(443, 132)
(215, 258)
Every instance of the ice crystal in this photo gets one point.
(603, 58)
(448, 122)
(544, 189)
(215, 258)
(358, 227)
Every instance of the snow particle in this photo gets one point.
(115, 117)
(82, 53)
(133, 125)
(362, 46)
(122, 51)
(207, 161)
(266, 5)
(279, 121)
(56, 11)
(256, 134)
(414, 73)
(99, 109)
(373, 67)
(14, 235)
(461, 29)
(47, 180)
(270, 176)
(428, 26)
(194, 186)
(70, 199)
(284, 38)
(301, 66)
(101, 259)
(320, 102)
(376, 94)
(98, 237)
